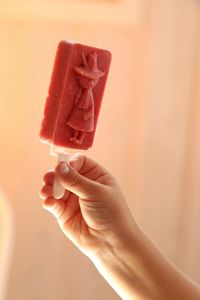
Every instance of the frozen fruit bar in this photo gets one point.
(75, 95)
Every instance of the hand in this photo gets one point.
(93, 211)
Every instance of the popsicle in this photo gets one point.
(74, 98)
(75, 95)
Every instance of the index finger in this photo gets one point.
(88, 167)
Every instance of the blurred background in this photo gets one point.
(148, 134)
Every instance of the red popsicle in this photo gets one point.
(75, 95)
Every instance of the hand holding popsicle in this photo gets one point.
(93, 209)
(92, 213)
(94, 216)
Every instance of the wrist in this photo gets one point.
(120, 262)
(120, 246)
(123, 237)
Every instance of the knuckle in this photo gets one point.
(43, 192)
(75, 180)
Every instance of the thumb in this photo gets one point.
(74, 182)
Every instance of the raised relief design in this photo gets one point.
(81, 118)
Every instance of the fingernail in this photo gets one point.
(63, 168)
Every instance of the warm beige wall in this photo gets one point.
(171, 163)
(148, 136)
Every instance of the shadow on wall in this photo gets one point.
(6, 241)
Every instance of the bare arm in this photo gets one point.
(136, 269)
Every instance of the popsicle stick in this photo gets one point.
(58, 190)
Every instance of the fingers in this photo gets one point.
(47, 189)
(63, 211)
(88, 167)
(76, 162)
(56, 207)
(48, 178)
(71, 208)
(74, 182)
(82, 176)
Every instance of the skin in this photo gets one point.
(94, 215)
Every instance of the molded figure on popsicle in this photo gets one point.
(81, 118)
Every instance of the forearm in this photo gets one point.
(137, 270)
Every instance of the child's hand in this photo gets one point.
(93, 210)
(94, 216)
